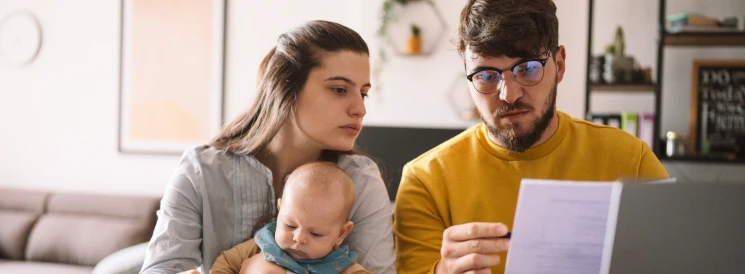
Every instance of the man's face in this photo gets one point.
(517, 115)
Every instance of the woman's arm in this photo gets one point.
(175, 245)
(372, 236)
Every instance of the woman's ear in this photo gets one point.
(344, 232)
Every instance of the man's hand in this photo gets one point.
(470, 248)
(257, 264)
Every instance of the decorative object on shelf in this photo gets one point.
(718, 107)
(676, 144)
(695, 22)
(459, 98)
(597, 64)
(390, 12)
(414, 44)
(20, 38)
(617, 64)
(171, 94)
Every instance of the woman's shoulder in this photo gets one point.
(205, 162)
(356, 164)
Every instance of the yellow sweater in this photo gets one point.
(470, 179)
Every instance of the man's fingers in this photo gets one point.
(470, 231)
(483, 246)
(474, 261)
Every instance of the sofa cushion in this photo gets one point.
(22, 200)
(82, 229)
(137, 207)
(19, 209)
(36, 267)
(81, 239)
(14, 231)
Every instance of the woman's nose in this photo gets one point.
(358, 108)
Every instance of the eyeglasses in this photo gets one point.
(527, 73)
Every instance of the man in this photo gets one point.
(457, 200)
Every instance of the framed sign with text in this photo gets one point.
(718, 107)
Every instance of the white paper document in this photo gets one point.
(563, 227)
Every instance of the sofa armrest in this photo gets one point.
(125, 261)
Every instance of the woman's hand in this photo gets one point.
(257, 264)
(193, 271)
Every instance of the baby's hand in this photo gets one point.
(257, 264)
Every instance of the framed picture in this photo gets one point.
(171, 85)
(718, 108)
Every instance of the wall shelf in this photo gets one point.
(623, 87)
(665, 41)
(705, 39)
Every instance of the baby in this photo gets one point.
(311, 224)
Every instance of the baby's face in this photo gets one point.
(309, 225)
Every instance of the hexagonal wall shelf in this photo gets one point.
(425, 15)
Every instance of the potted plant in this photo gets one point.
(414, 44)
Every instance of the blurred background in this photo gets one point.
(70, 96)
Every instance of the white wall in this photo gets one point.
(59, 114)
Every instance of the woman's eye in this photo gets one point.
(339, 90)
(364, 95)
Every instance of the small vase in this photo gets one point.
(414, 45)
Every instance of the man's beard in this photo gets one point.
(509, 135)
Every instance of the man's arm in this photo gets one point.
(417, 225)
(424, 243)
(649, 166)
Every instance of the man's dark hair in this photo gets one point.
(513, 28)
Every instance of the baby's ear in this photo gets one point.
(344, 232)
(279, 203)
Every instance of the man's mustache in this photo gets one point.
(518, 105)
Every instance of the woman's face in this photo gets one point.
(331, 105)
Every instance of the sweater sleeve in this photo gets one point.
(417, 227)
(229, 262)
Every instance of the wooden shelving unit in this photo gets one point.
(665, 41)
(625, 88)
(705, 39)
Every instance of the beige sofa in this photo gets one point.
(48, 232)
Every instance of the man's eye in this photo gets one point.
(486, 76)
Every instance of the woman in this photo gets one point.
(309, 106)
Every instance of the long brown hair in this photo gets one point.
(513, 28)
(281, 76)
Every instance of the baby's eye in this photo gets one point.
(316, 235)
(291, 227)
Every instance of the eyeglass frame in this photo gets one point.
(543, 62)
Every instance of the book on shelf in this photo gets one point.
(630, 122)
(699, 29)
(638, 124)
(691, 19)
